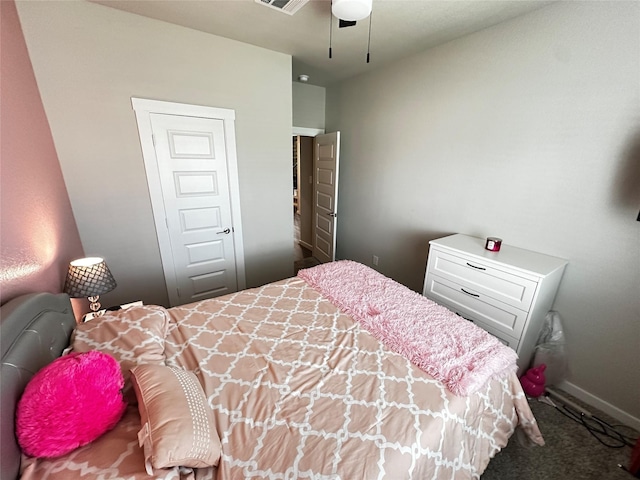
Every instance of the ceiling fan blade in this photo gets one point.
(346, 23)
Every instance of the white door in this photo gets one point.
(326, 153)
(192, 198)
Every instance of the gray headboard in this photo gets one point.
(35, 330)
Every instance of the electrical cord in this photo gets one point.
(604, 432)
(599, 429)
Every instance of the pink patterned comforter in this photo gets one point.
(300, 390)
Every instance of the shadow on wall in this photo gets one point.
(416, 248)
(627, 186)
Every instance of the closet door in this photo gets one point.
(189, 175)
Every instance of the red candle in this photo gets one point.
(493, 244)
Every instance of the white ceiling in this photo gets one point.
(398, 28)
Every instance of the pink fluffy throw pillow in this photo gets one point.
(69, 403)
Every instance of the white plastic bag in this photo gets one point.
(550, 349)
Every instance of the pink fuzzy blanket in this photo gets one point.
(453, 350)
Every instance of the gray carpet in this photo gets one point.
(570, 451)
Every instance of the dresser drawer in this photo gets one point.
(506, 339)
(484, 279)
(497, 316)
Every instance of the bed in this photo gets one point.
(302, 378)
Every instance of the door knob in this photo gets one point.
(332, 214)
(226, 231)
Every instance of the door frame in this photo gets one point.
(310, 133)
(143, 109)
(307, 132)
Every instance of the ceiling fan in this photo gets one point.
(348, 12)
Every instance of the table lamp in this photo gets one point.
(89, 277)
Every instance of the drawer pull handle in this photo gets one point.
(469, 293)
(473, 266)
(462, 316)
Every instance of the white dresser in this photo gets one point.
(507, 293)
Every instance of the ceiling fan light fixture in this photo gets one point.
(351, 10)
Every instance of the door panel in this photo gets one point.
(325, 195)
(192, 166)
(196, 219)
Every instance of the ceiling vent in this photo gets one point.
(287, 6)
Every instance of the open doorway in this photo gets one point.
(302, 175)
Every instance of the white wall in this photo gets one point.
(525, 131)
(308, 105)
(89, 61)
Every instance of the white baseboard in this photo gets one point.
(600, 404)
